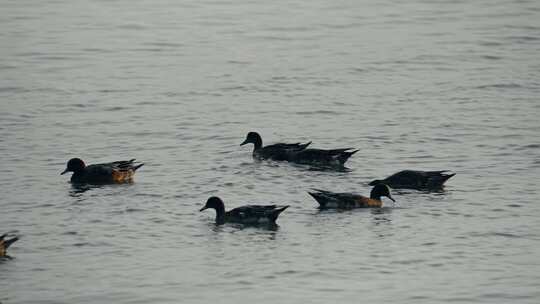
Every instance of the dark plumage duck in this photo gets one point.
(4, 244)
(327, 199)
(106, 173)
(420, 180)
(298, 152)
(249, 214)
(279, 151)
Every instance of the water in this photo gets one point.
(178, 84)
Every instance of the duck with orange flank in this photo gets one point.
(106, 173)
(334, 200)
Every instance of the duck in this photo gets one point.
(298, 152)
(279, 151)
(414, 179)
(106, 173)
(333, 200)
(248, 214)
(5, 243)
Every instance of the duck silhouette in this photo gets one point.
(298, 153)
(248, 214)
(346, 200)
(106, 173)
(414, 179)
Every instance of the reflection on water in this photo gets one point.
(381, 221)
(5, 258)
(78, 189)
(260, 227)
(308, 167)
(328, 168)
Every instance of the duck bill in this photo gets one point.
(390, 197)
(64, 172)
(244, 142)
(203, 208)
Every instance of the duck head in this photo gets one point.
(74, 165)
(215, 202)
(376, 182)
(253, 138)
(381, 190)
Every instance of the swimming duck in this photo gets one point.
(249, 214)
(411, 179)
(279, 151)
(298, 152)
(4, 244)
(334, 157)
(106, 173)
(327, 199)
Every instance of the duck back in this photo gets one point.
(105, 173)
(327, 199)
(418, 179)
(254, 214)
(334, 157)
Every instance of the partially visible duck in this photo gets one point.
(279, 151)
(106, 173)
(320, 157)
(327, 199)
(4, 244)
(420, 180)
(249, 214)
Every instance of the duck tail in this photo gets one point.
(281, 209)
(344, 156)
(446, 177)
(304, 146)
(275, 213)
(137, 167)
(8, 243)
(318, 197)
(438, 179)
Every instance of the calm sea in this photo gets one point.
(427, 85)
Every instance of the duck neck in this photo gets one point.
(374, 195)
(220, 215)
(77, 175)
(257, 143)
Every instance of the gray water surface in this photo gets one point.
(178, 84)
